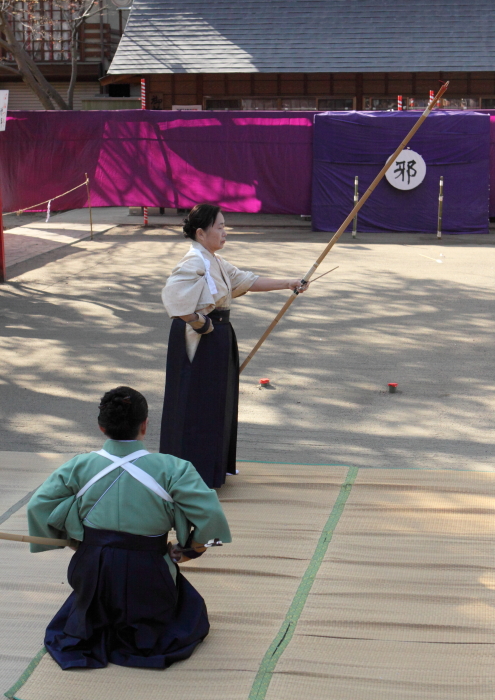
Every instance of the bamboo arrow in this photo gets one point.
(323, 275)
(47, 541)
(343, 227)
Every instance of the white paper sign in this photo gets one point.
(407, 171)
(188, 108)
(4, 101)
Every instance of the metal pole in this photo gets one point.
(440, 209)
(356, 200)
(143, 106)
(3, 272)
(89, 206)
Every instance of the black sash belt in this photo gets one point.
(124, 540)
(219, 316)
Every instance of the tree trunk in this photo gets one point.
(73, 77)
(31, 83)
(43, 82)
(22, 65)
(30, 72)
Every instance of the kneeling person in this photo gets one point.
(130, 605)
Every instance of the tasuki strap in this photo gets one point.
(148, 481)
(209, 279)
(132, 469)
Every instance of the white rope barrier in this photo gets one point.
(47, 201)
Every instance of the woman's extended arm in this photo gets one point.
(261, 284)
(269, 284)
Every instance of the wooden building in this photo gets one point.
(308, 54)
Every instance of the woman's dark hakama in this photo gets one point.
(125, 608)
(199, 422)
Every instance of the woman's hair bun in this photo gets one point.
(187, 228)
(201, 216)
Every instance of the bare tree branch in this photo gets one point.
(3, 66)
(5, 45)
(35, 72)
(20, 58)
(39, 26)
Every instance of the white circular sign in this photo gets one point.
(407, 171)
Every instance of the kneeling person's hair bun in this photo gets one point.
(122, 411)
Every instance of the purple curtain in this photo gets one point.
(453, 144)
(243, 161)
(492, 164)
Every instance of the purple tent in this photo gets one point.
(453, 144)
(491, 112)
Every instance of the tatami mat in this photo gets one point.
(22, 472)
(276, 515)
(383, 581)
(404, 604)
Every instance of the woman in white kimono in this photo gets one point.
(202, 383)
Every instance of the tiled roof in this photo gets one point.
(311, 36)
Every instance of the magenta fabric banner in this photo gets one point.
(242, 161)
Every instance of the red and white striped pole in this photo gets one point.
(399, 103)
(143, 106)
(432, 96)
(143, 93)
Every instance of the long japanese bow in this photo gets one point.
(343, 227)
(30, 539)
(35, 540)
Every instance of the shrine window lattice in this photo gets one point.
(46, 35)
(40, 27)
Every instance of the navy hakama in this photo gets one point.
(125, 607)
(199, 421)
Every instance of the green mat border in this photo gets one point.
(263, 678)
(25, 675)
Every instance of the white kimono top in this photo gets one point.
(203, 282)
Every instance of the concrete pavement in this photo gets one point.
(91, 316)
(29, 235)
